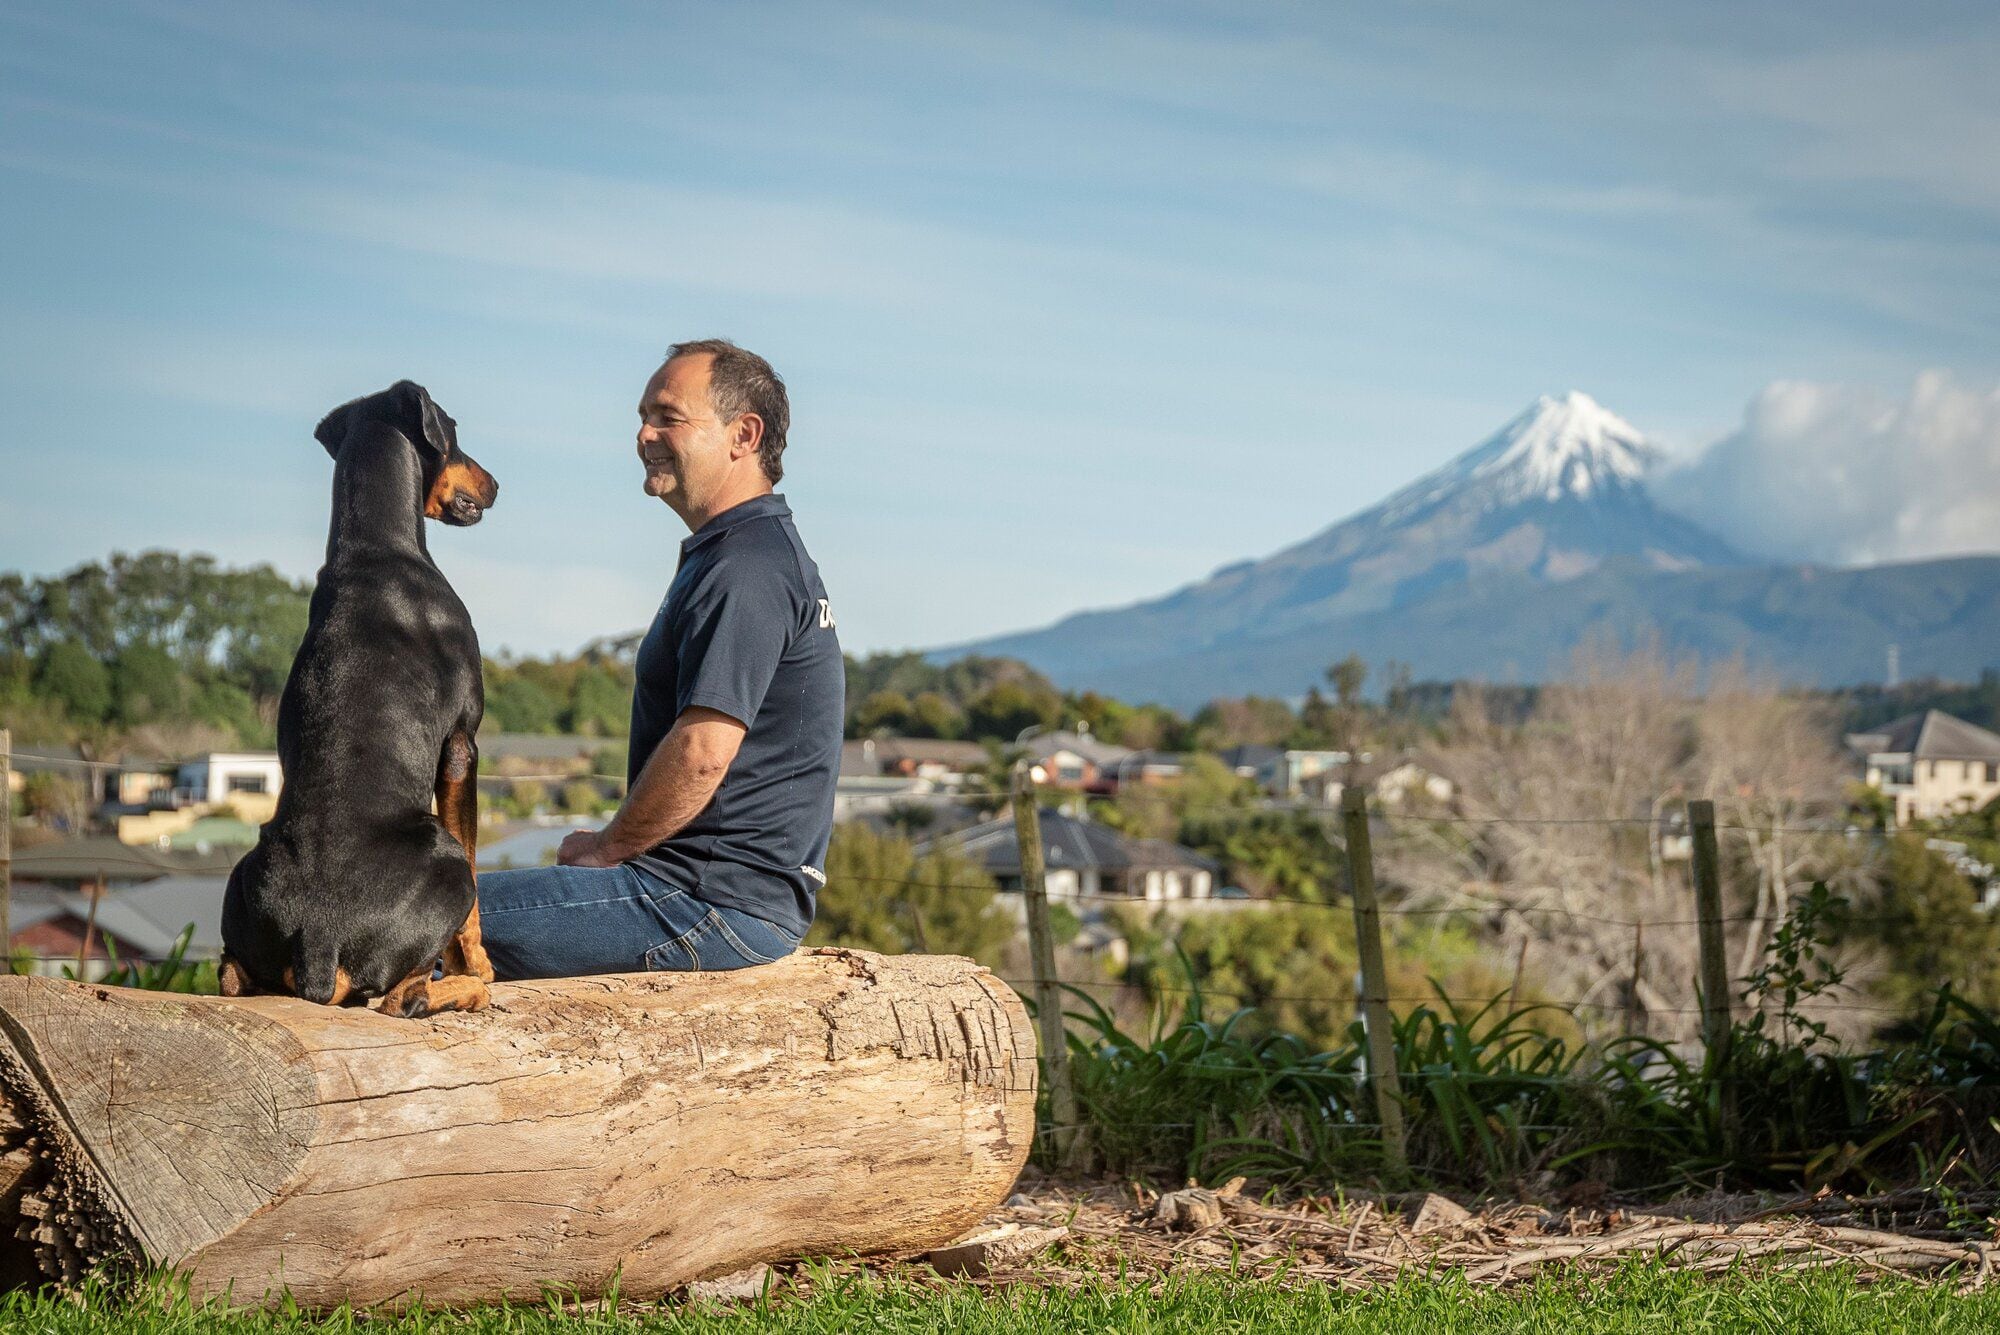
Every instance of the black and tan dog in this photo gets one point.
(356, 888)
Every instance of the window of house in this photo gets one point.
(246, 783)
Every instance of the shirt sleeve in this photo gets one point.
(730, 636)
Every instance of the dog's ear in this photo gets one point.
(426, 424)
(332, 428)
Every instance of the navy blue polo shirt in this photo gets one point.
(746, 629)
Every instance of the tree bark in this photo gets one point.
(646, 1129)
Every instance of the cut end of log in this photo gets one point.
(663, 1128)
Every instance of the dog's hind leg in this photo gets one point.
(458, 809)
(232, 979)
(420, 995)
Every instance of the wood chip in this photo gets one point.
(985, 1251)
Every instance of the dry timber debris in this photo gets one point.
(1356, 1241)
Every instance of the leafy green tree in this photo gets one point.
(885, 713)
(1296, 966)
(147, 686)
(1007, 710)
(515, 704)
(1929, 928)
(880, 895)
(1250, 721)
(74, 677)
(227, 705)
(600, 705)
(57, 800)
(934, 715)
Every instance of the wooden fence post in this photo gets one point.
(1066, 1135)
(6, 851)
(1376, 1019)
(1714, 981)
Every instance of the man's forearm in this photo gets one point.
(677, 782)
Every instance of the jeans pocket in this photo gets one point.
(711, 944)
(768, 938)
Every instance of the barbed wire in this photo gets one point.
(1341, 906)
(1432, 999)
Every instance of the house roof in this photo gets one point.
(148, 919)
(101, 856)
(929, 750)
(1930, 734)
(1071, 844)
(1250, 756)
(1102, 754)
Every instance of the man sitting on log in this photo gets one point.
(713, 859)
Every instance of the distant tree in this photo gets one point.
(1925, 928)
(880, 895)
(1347, 677)
(226, 705)
(1007, 710)
(147, 686)
(1250, 721)
(1318, 727)
(73, 677)
(600, 704)
(885, 713)
(933, 715)
(59, 801)
(515, 704)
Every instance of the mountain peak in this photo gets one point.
(1571, 446)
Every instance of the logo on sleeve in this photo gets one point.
(825, 615)
(815, 873)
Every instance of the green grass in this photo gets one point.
(1643, 1297)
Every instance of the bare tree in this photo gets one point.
(1558, 826)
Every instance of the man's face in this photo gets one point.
(685, 449)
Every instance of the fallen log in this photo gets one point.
(646, 1130)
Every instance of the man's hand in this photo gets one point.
(584, 848)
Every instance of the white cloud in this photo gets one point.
(1842, 474)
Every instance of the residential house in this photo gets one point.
(1929, 764)
(220, 775)
(1392, 781)
(1282, 773)
(1145, 767)
(1085, 860)
(1075, 760)
(931, 758)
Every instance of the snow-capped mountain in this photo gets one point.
(1552, 496)
(1572, 446)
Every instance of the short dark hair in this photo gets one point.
(739, 381)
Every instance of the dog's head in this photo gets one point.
(456, 490)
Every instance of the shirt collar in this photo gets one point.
(757, 507)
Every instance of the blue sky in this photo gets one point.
(1076, 304)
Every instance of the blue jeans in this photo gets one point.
(562, 922)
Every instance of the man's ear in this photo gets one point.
(748, 435)
(422, 420)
